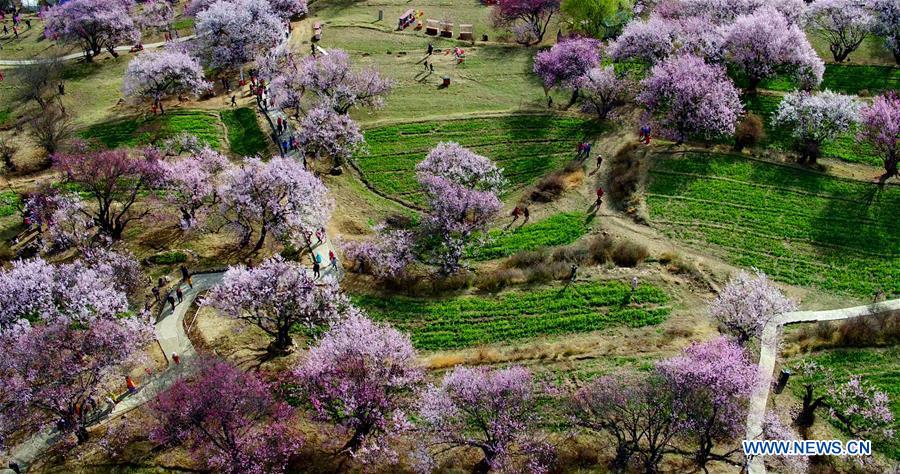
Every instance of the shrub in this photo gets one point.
(168, 258)
(549, 189)
(625, 175)
(629, 254)
(870, 331)
(399, 221)
(601, 248)
(749, 132)
(570, 255)
(495, 281)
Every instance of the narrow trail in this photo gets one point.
(768, 353)
(73, 56)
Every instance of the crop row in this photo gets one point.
(559, 229)
(802, 227)
(144, 130)
(526, 147)
(469, 320)
(245, 138)
(845, 78)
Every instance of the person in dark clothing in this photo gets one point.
(14, 466)
(430, 49)
(62, 88)
(179, 294)
(549, 102)
(431, 67)
(171, 300)
(316, 269)
(526, 213)
(186, 276)
(234, 101)
(155, 291)
(574, 271)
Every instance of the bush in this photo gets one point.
(625, 175)
(570, 255)
(869, 331)
(399, 221)
(601, 248)
(749, 132)
(549, 189)
(168, 258)
(629, 254)
(496, 281)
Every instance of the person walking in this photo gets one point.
(171, 300)
(573, 272)
(61, 88)
(155, 292)
(526, 213)
(599, 160)
(186, 276)
(634, 284)
(516, 212)
(234, 100)
(316, 268)
(333, 259)
(430, 48)
(176, 358)
(426, 65)
(599, 196)
(179, 294)
(129, 384)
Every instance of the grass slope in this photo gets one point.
(877, 367)
(558, 229)
(470, 320)
(245, 138)
(800, 227)
(525, 146)
(845, 147)
(845, 78)
(145, 130)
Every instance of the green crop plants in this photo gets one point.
(145, 130)
(799, 226)
(9, 203)
(525, 146)
(559, 229)
(168, 258)
(468, 320)
(244, 135)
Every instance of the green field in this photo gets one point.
(846, 78)
(9, 203)
(800, 227)
(146, 130)
(525, 146)
(845, 147)
(877, 367)
(559, 229)
(244, 135)
(470, 320)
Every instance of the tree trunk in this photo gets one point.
(484, 466)
(262, 239)
(752, 84)
(159, 104)
(890, 168)
(356, 441)
(807, 415)
(574, 97)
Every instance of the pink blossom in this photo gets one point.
(565, 63)
(325, 133)
(228, 419)
(231, 33)
(387, 255)
(192, 183)
(359, 377)
(689, 98)
(278, 197)
(747, 303)
(95, 24)
(276, 296)
(881, 128)
(156, 75)
(528, 19)
(491, 410)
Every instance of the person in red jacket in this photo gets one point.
(599, 196)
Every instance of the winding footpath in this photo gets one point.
(768, 354)
(73, 56)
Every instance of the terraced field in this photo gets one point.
(470, 320)
(525, 146)
(877, 367)
(800, 227)
(245, 138)
(559, 229)
(144, 130)
(846, 78)
(845, 147)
